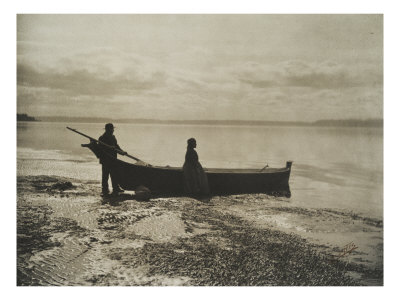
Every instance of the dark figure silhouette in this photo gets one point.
(195, 179)
(108, 158)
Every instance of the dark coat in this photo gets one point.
(195, 179)
(109, 154)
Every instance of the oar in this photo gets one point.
(264, 168)
(104, 144)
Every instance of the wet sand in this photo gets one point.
(68, 235)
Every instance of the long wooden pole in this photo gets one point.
(104, 144)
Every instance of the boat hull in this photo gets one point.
(169, 180)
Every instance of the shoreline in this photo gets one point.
(68, 235)
(378, 124)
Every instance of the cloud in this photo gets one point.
(83, 82)
(324, 75)
(106, 80)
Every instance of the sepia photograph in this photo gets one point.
(199, 150)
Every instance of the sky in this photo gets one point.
(201, 67)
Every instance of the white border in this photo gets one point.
(8, 116)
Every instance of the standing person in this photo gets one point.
(108, 158)
(195, 179)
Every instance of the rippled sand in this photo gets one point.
(68, 235)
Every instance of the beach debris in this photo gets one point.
(62, 186)
(142, 193)
(45, 183)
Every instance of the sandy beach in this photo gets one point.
(68, 235)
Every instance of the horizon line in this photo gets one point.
(349, 121)
(200, 120)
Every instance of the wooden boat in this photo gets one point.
(169, 180)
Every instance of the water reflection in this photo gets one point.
(22, 126)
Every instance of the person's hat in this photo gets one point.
(109, 126)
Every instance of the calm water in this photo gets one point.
(339, 168)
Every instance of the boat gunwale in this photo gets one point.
(214, 170)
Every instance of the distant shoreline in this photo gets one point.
(320, 123)
(25, 118)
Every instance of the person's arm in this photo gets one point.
(119, 148)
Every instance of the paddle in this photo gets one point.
(264, 168)
(104, 144)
